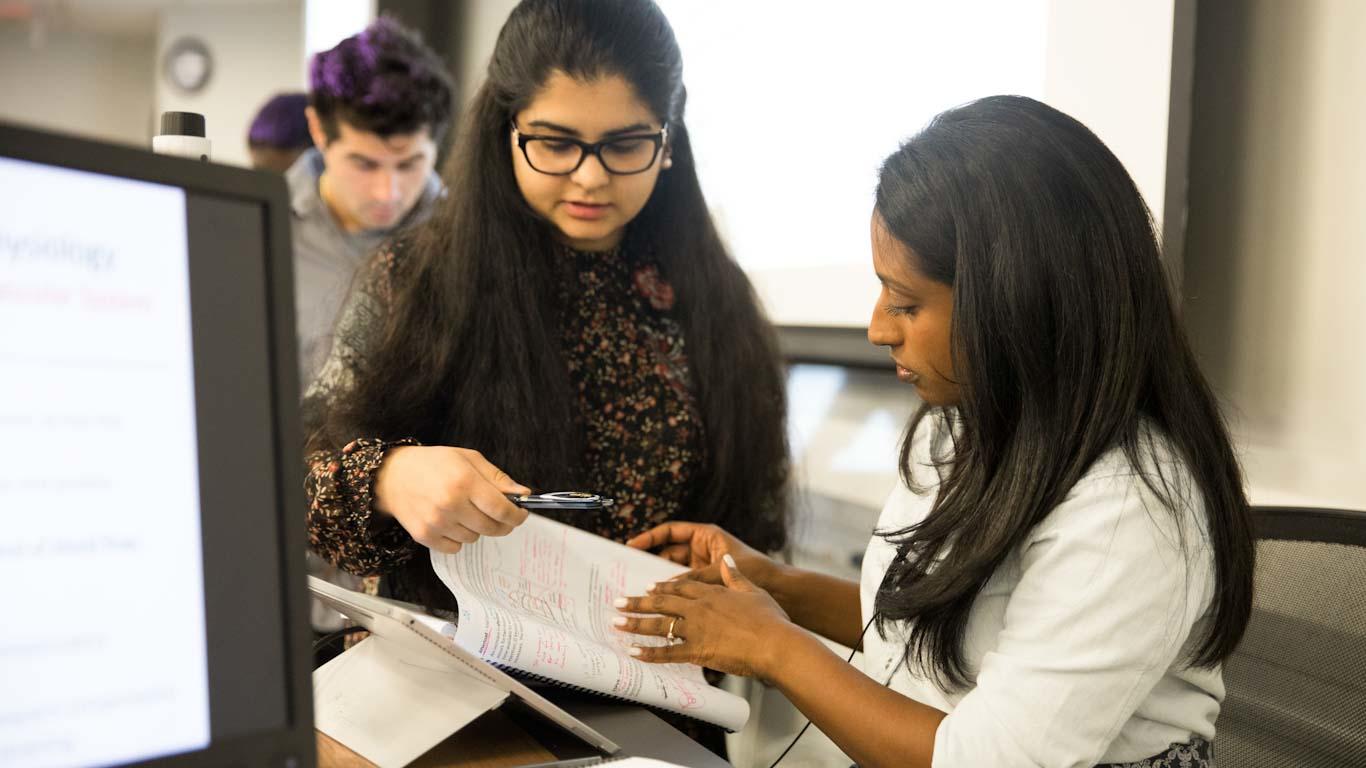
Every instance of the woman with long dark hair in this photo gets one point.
(568, 317)
(1068, 558)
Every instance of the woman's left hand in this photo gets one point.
(733, 627)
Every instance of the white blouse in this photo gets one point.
(1080, 640)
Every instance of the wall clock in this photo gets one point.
(188, 64)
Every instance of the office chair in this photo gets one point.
(1297, 684)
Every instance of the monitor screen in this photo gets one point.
(143, 466)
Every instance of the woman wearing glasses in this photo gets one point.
(568, 318)
(1069, 557)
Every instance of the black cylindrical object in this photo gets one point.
(182, 133)
(182, 124)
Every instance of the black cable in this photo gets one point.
(794, 740)
(332, 637)
(849, 660)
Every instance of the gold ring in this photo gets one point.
(670, 636)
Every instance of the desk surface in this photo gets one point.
(492, 741)
(504, 739)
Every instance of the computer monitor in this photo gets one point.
(151, 552)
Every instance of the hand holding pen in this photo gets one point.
(446, 497)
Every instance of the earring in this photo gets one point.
(668, 163)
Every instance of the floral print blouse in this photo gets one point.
(626, 358)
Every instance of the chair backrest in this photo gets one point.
(1297, 684)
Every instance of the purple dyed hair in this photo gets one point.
(281, 123)
(383, 80)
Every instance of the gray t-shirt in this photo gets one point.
(326, 258)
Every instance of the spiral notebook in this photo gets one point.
(539, 603)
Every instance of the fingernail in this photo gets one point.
(651, 588)
(730, 562)
(634, 650)
(620, 602)
(619, 621)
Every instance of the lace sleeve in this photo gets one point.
(343, 526)
(358, 329)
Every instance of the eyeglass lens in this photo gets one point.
(627, 155)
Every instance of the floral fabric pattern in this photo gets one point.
(649, 284)
(626, 359)
(341, 521)
(1198, 753)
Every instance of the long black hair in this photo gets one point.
(470, 355)
(1065, 345)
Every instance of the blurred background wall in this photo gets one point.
(1275, 285)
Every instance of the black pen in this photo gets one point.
(562, 500)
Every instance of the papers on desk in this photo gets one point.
(368, 698)
(390, 707)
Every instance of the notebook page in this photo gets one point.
(541, 600)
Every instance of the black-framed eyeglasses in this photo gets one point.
(620, 155)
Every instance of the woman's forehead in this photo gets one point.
(589, 108)
(894, 259)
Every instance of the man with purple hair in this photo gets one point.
(379, 103)
(279, 132)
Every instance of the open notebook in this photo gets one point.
(539, 602)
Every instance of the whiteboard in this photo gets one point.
(792, 106)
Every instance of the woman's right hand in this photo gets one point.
(700, 546)
(446, 497)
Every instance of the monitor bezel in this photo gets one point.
(295, 745)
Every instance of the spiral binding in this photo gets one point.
(524, 675)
